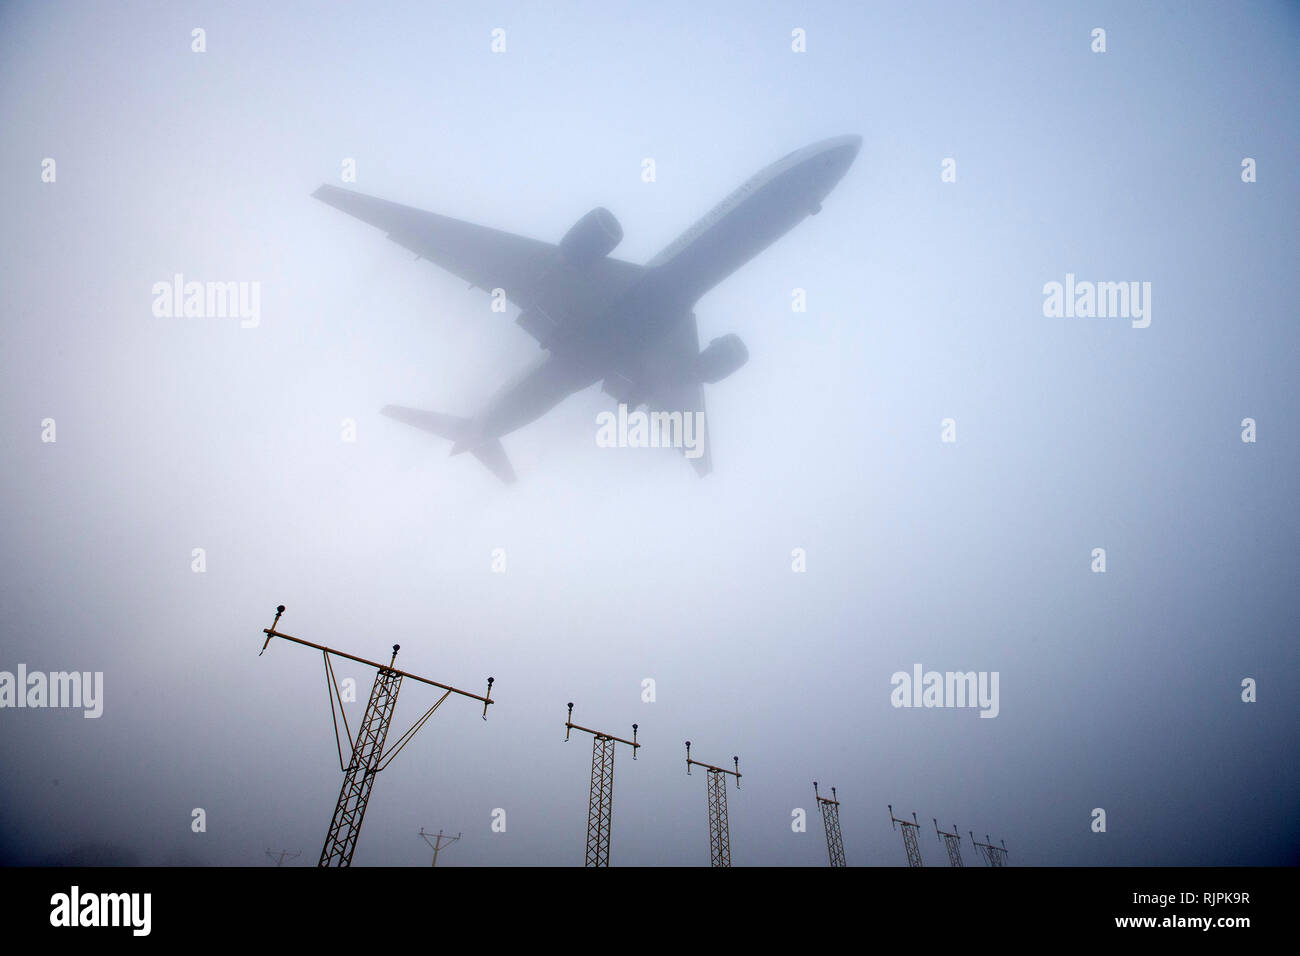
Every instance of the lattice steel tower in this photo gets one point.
(719, 829)
(951, 842)
(909, 837)
(368, 754)
(830, 811)
(600, 806)
(993, 855)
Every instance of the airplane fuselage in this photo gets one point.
(760, 211)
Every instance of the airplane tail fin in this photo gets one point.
(494, 457)
(460, 431)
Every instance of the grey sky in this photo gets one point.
(1118, 690)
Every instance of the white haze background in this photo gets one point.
(1118, 691)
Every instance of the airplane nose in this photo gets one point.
(843, 151)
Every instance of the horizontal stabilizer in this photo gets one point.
(451, 427)
(461, 432)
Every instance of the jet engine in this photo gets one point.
(720, 358)
(592, 237)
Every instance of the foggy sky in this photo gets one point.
(1119, 690)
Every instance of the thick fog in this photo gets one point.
(840, 538)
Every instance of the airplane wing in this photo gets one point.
(532, 273)
(675, 390)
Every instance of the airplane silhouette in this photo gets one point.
(598, 318)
